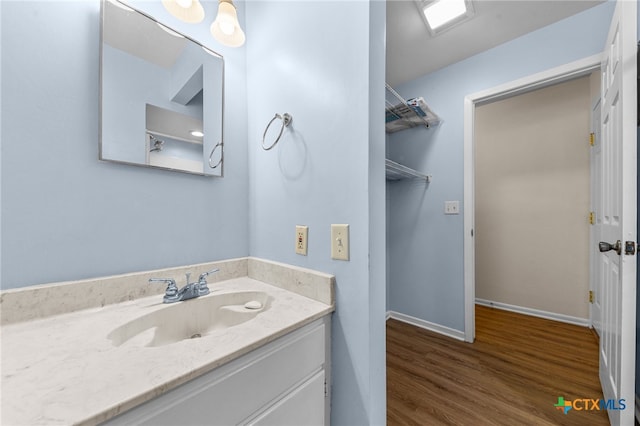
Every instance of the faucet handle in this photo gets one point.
(203, 276)
(203, 289)
(171, 293)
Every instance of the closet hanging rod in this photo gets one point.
(396, 171)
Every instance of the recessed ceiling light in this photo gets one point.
(440, 12)
(197, 133)
(440, 15)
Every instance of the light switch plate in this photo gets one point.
(452, 207)
(340, 242)
(302, 233)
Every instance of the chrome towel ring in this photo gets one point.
(219, 144)
(286, 120)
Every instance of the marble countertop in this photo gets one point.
(63, 369)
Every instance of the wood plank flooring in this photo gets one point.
(511, 375)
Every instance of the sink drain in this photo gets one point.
(195, 336)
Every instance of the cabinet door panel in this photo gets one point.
(302, 407)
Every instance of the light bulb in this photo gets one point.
(227, 18)
(186, 4)
(190, 11)
(226, 26)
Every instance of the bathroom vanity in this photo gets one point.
(218, 359)
(283, 382)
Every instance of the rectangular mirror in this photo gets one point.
(161, 95)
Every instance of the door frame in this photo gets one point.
(572, 70)
(595, 181)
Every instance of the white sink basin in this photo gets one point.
(191, 319)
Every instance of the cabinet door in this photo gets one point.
(304, 406)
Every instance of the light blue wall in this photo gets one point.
(426, 247)
(377, 216)
(306, 59)
(66, 215)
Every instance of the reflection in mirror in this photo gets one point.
(161, 95)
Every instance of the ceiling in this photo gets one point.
(413, 52)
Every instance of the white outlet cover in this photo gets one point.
(452, 207)
(302, 233)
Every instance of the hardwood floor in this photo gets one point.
(511, 375)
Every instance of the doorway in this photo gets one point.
(532, 185)
(548, 78)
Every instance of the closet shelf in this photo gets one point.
(395, 171)
(402, 114)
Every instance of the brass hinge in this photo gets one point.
(592, 218)
(590, 296)
(592, 139)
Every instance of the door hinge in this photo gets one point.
(326, 391)
(592, 139)
(592, 218)
(630, 248)
(591, 296)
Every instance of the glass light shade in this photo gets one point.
(190, 11)
(226, 28)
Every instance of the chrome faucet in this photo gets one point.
(189, 291)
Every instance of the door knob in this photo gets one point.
(604, 247)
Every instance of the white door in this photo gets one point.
(618, 269)
(596, 228)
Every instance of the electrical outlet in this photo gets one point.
(340, 242)
(301, 239)
(452, 207)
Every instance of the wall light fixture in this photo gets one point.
(226, 28)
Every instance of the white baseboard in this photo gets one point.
(584, 322)
(456, 334)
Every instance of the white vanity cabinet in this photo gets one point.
(285, 382)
